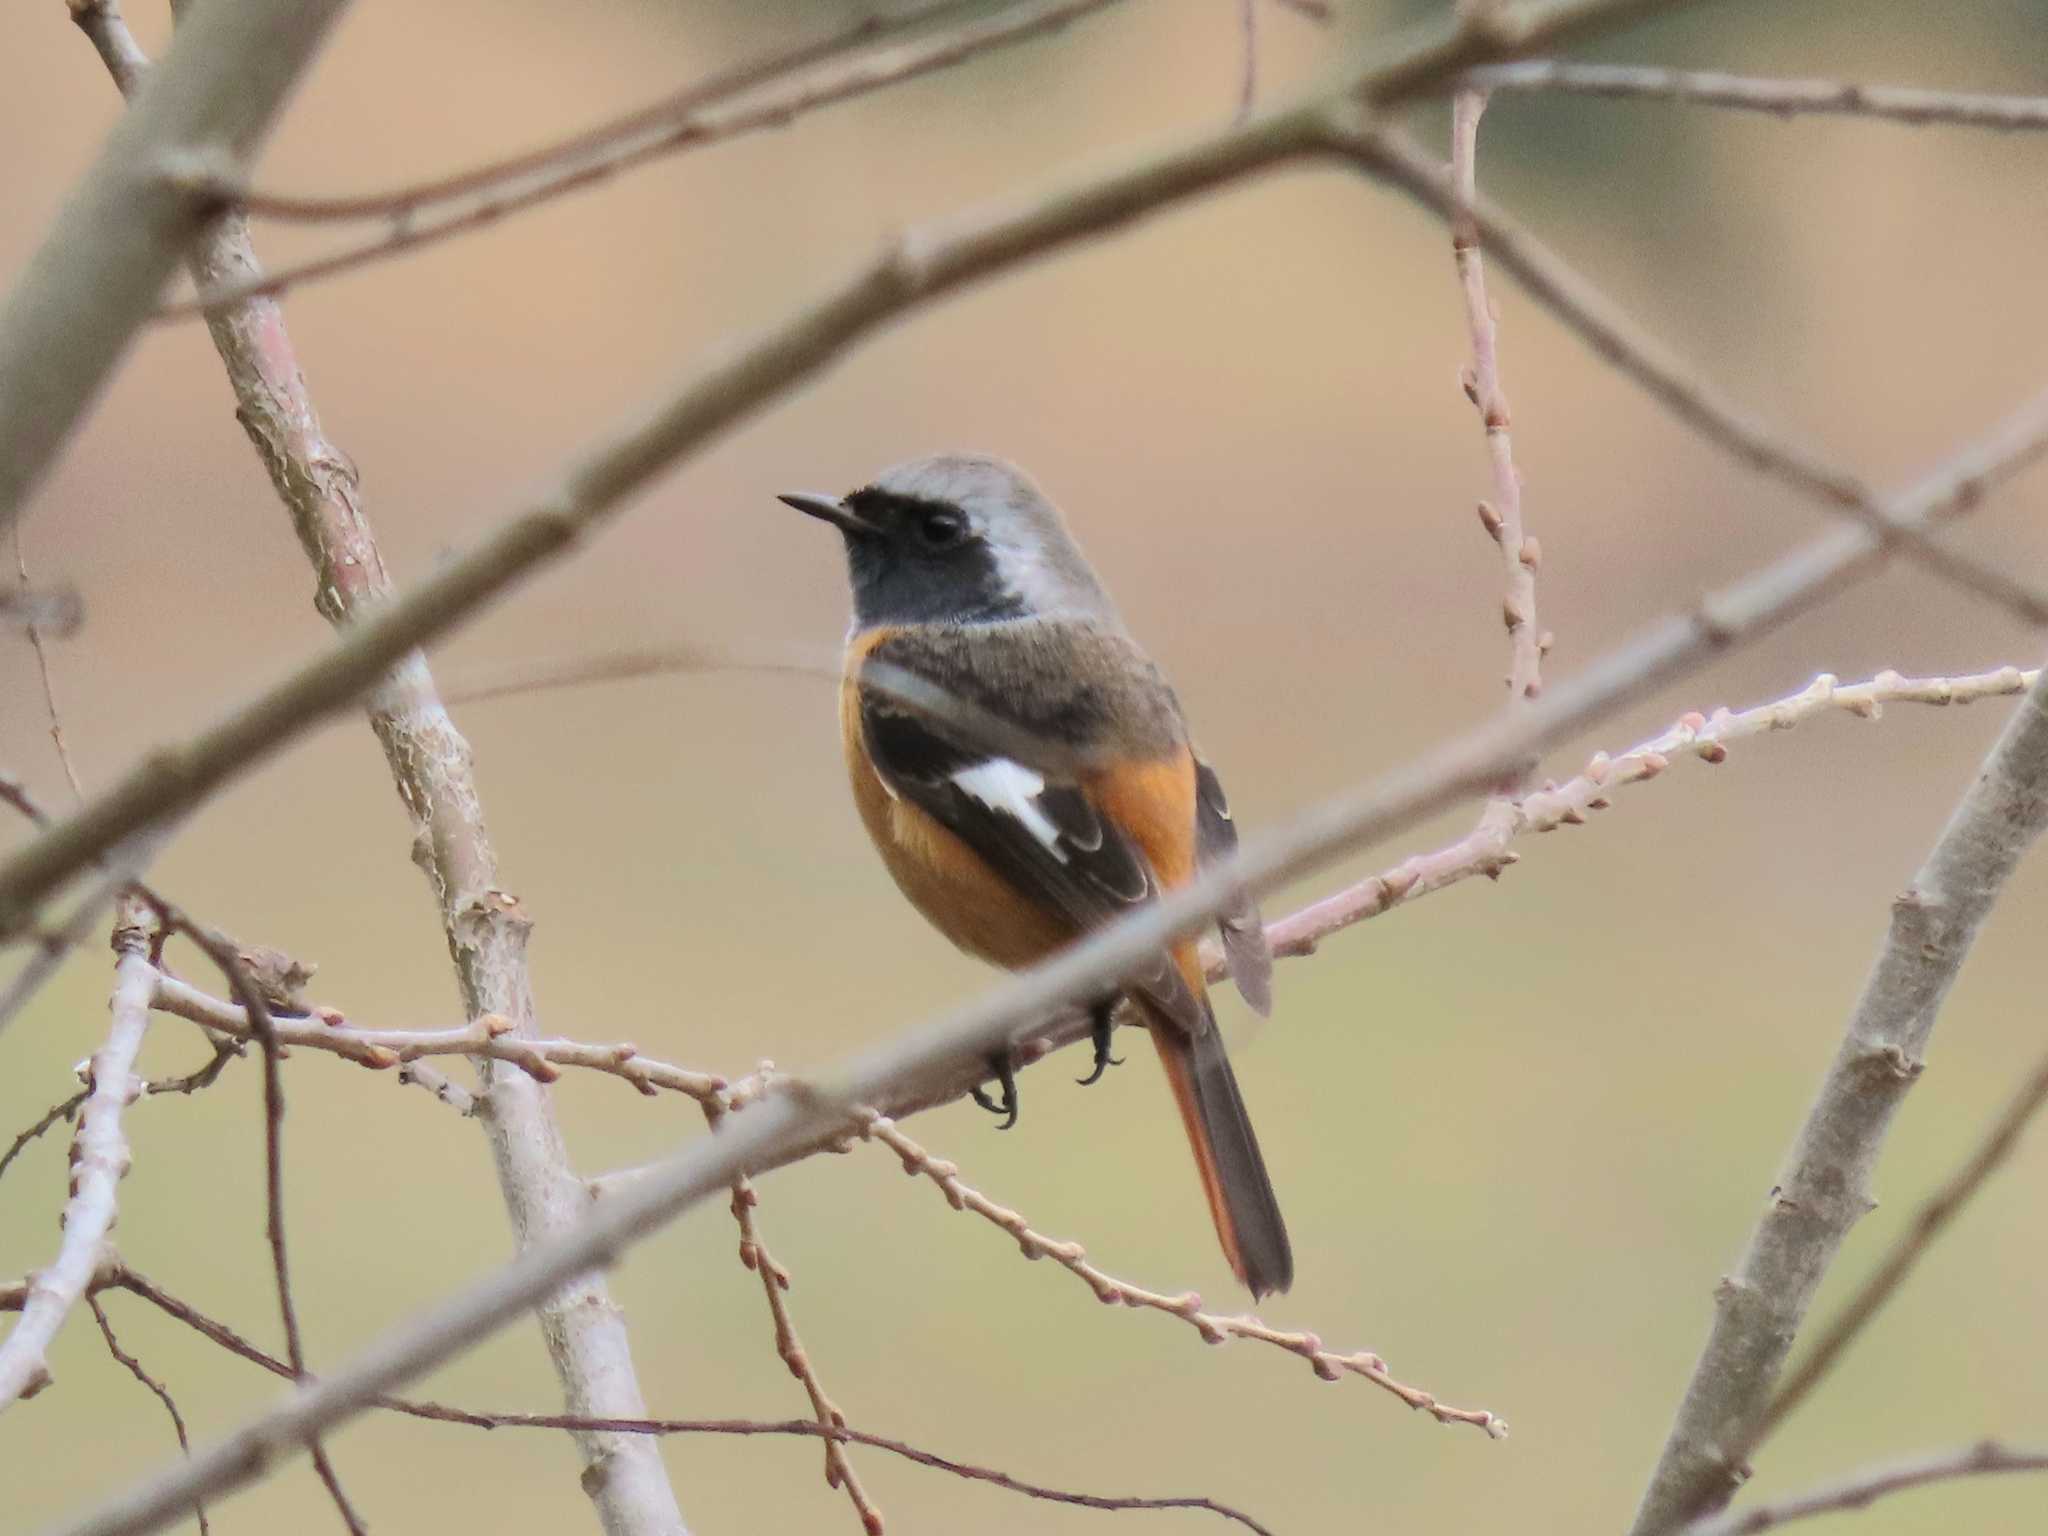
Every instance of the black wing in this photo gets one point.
(1041, 835)
(1243, 930)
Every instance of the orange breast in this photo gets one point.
(943, 878)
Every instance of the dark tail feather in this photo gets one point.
(1233, 1173)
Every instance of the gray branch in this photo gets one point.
(96, 277)
(1825, 1186)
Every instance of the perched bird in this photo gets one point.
(1048, 787)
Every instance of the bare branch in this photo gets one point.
(1187, 1306)
(99, 1161)
(96, 276)
(690, 120)
(839, 1471)
(848, 1435)
(621, 666)
(34, 630)
(1979, 1460)
(1928, 1223)
(256, 1008)
(1825, 1186)
(1668, 380)
(63, 1110)
(1502, 517)
(135, 1368)
(489, 1038)
(1779, 97)
(1485, 851)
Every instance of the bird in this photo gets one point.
(1045, 787)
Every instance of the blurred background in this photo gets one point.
(1519, 1129)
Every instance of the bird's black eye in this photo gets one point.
(941, 528)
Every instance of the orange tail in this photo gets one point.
(1233, 1173)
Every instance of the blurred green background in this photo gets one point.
(1519, 1129)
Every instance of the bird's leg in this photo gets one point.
(1101, 1020)
(1005, 1104)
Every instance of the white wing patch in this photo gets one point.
(1012, 789)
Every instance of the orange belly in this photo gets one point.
(943, 878)
(1153, 803)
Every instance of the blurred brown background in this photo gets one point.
(1519, 1129)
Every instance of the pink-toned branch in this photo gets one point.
(1502, 516)
(1485, 851)
(754, 1254)
(490, 1037)
(1186, 1305)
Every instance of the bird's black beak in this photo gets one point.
(827, 508)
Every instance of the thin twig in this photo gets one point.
(1779, 97)
(489, 1038)
(846, 1434)
(256, 1009)
(1985, 1458)
(135, 1368)
(1604, 327)
(1485, 851)
(62, 1110)
(1502, 516)
(35, 640)
(1187, 1305)
(839, 1470)
(630, 127)
(1928, 1223)
(1825, 1186)
(599, 154)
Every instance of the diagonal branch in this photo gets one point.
(1502, 516)
(698, 117)
(1778, 97)
(1979, 1460)
(1187, 1306)
(1604, 327)
(1825, 1186)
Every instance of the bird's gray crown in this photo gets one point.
(964, 538)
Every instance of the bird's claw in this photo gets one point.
(1101, 1020)
(1005, 1103)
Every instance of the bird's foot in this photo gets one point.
(1101, 1020)
(1005, 1102)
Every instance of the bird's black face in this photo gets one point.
(914, 561)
